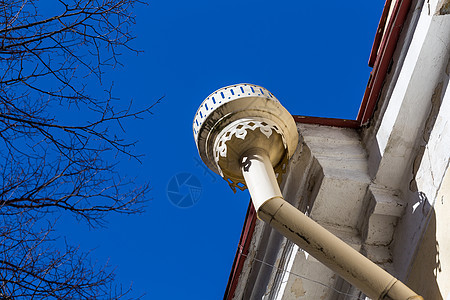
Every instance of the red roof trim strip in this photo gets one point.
(327, 121)
(383, 59)
(379, 34)
(241, 252)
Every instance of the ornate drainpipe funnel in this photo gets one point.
(244, 134)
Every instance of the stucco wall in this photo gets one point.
(430, 270)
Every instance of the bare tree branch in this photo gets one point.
(49, 64)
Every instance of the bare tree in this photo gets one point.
(47, 165)
(32, 268)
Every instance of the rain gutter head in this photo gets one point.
(237, 118)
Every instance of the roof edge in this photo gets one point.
(327, 121)
(241, 252)
(382, 60)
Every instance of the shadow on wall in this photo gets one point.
(426, 265)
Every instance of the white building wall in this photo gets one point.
(384, 189)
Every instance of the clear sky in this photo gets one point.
(311, 55)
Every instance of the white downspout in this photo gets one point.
(354, 267)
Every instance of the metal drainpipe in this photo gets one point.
(372, 280)
(242, 132)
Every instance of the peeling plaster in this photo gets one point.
(297, 288)
(444, 8)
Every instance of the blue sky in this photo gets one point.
(311, 56)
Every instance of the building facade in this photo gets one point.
(380, 182)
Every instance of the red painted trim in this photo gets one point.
(327, 121)
(383, 59)
(243, 246)
(379, 33)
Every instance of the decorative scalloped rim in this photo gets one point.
(224, 95)
(239, 130)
